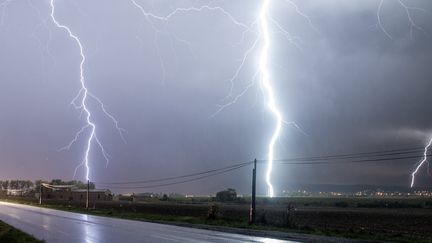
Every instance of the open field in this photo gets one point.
(403, 219)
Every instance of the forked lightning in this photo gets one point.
(81, 102)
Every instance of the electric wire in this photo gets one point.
(183, 181)
(345, 162)
(176, 177)
(357, 155)
(362, 157)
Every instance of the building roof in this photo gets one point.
(57, 186)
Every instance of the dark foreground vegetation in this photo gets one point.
(8, 234)
(388, 219)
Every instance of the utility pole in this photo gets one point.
(40, 193)
(88, 194)
(252, 208)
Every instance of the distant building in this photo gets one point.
(95, 195)
(68, 193)
(16, 192)
(123, 197)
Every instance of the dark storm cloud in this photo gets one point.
(350, 87)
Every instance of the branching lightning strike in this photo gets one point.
(81, 102)
(413, 25)
(408, 10)
(263, 36)
(422, 162)
(260, 28)
(150, 17)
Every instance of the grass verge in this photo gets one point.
(9, 234)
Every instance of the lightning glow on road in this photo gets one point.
(80, 102)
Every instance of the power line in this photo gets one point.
(177, 177)
(362, 157)
(346, 162)
(357, 155)
(184, 181)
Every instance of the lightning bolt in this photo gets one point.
(413, 25)
(263, 35)
(259, 28)
(265, 81)
(265, 20)
(151, 18)
(420, 164)
(81, 101)
(408, 11)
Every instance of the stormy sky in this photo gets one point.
(348, 85)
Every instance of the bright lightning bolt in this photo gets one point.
(80, 102)
(263, 34)
(259, 28)
(83, 91)
(420, 164)
(265, 81)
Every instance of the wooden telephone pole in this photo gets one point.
(88, 194)
(252, 208)
(40, 193)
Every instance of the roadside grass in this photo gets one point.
(9, 234)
